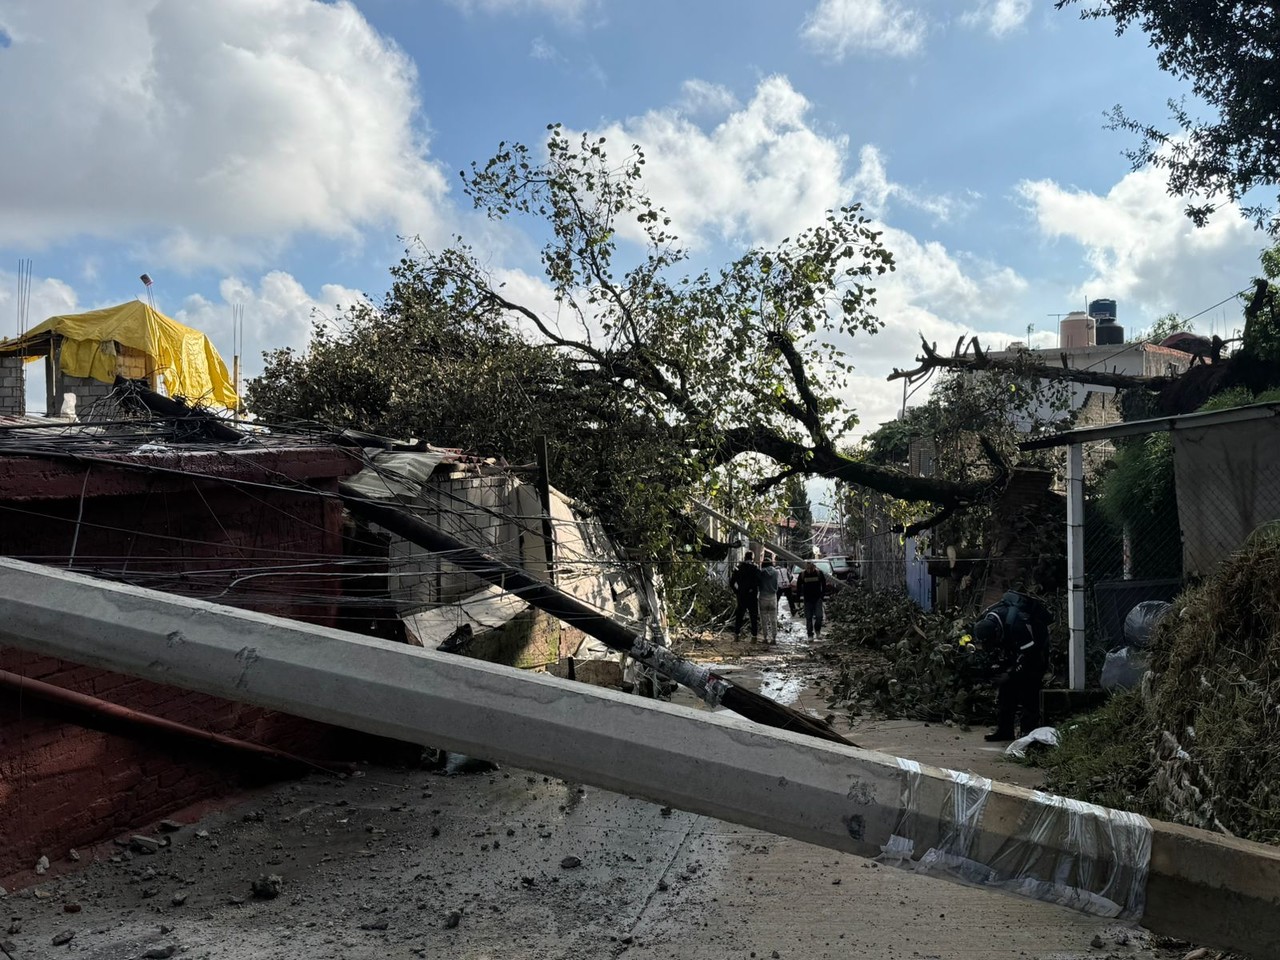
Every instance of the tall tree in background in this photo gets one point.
(1229, 51)
(800, 515)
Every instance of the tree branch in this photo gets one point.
(981, 360)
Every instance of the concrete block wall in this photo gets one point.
(65, 785)
(87, 390)
(13, 387)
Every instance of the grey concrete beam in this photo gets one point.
(1181, 882)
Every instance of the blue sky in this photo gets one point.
(270, 152)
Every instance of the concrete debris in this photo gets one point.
(42, 865)
(145, 845)
(268, 887)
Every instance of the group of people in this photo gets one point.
(756, 589)
(1012, 634)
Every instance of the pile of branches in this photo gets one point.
(1201, 744)
(897, 660)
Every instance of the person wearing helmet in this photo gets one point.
(1014, 633)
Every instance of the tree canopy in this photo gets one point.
(649, 377)
(1229, 51)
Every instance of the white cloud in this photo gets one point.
(540, 49)
(873, 188)
(999, 17)
(211, 133)
(278, 312)
(565, 9)
(838, 28)
(698, 96)
(1141, 248)
(762, 173)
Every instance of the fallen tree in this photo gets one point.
(653, 381)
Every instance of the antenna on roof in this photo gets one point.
(237, 344)
(151, 297)
(24, 294)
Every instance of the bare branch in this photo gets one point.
(981, 360)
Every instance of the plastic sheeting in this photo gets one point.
(1124, 668)
(1141, 621)
(184, 356)
(1062, 851)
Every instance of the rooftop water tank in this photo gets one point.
(1102, 308)
(1108, 331)
(1076, 330)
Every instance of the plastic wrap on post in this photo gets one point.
(1062, 851)
(898, 851)
(1080, 855)
(697, 678)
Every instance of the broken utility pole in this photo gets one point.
(1177, 881)
(713, 689)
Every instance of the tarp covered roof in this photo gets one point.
(184, 356)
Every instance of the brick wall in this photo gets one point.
(13, 387)
(64, 784)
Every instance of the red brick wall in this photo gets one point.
(63, 784)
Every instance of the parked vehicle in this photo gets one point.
(846, 568)
(793, 588)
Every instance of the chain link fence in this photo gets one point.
(1163, 509)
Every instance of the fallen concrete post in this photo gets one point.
(1177, 881)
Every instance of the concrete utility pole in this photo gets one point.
(1177, 881)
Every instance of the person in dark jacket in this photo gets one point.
(745, 584)
(1015, 634)
(812, 584)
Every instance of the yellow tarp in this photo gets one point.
(185, 357)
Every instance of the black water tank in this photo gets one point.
(1102, 308)
(1108, 331)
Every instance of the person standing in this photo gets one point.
(812, 585)
(745, 584)
(769, 598)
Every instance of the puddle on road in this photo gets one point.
(778, 672)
